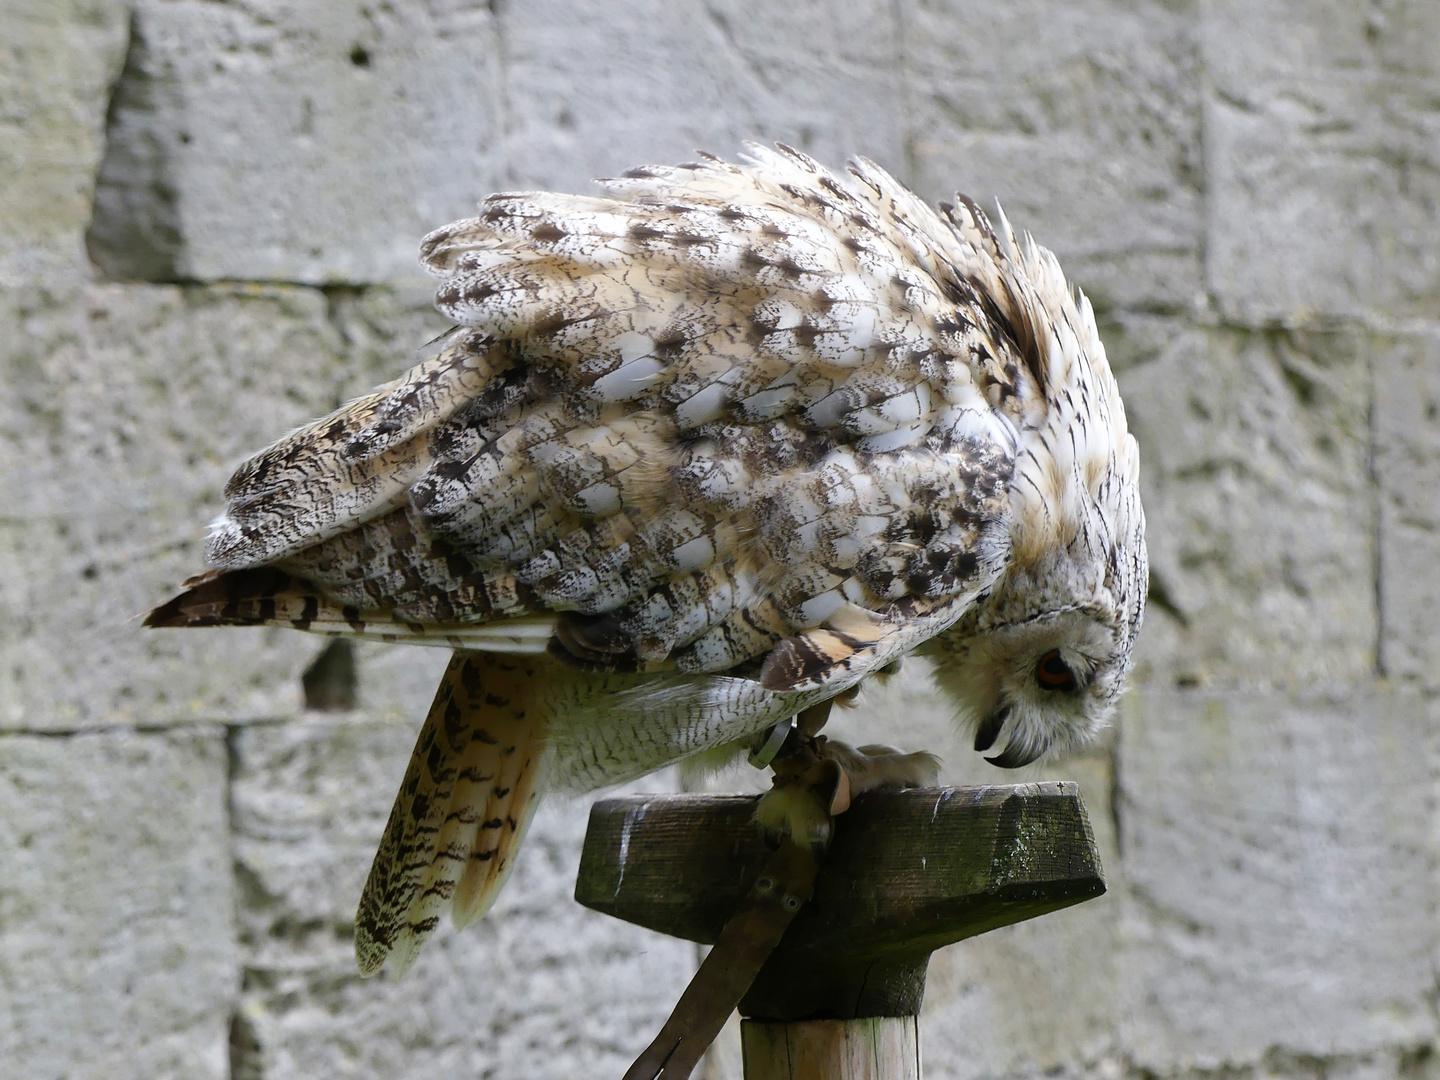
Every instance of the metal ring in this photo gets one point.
(765, 753)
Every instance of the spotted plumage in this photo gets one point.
(698, 453)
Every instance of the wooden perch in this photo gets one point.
(909, 871)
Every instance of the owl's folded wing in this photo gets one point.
(753, 418)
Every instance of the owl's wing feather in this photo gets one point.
(344, 468)
(724, 410)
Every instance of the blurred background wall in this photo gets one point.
(209, 214)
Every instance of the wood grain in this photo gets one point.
(870, 1048)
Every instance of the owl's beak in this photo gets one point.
(989, 729)
(1015, 757)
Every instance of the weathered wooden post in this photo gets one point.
(908, 872)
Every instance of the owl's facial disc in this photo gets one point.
(1045, 683)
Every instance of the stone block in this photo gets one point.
(1278, 864)
(132, 407)
(594, 90)
(1323, 158)
(1083, 119)
(1407, 470)
(1255, 476)
(382, 330)
(304, 143)
(318, 144)
(60, 58)
(539, 987)
(117, 942)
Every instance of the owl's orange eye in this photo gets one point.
(1052, 673)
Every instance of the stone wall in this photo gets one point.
(208, 219)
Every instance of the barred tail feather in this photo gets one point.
(469, 793)
(266, 596)
(262, 596)
(513, 800)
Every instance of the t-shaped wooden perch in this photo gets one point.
(908, 872)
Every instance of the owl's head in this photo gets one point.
(1040, 660)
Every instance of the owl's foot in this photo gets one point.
(815, 779)
(875, 766)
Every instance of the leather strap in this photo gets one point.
(747, 941)
(783, 887)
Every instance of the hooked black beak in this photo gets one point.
(990, 729)
(1015, 757)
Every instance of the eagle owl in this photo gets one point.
(699, 454)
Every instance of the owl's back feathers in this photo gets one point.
(721, 409)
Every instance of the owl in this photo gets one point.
(699, 454)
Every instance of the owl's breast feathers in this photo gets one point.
(759, 419)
